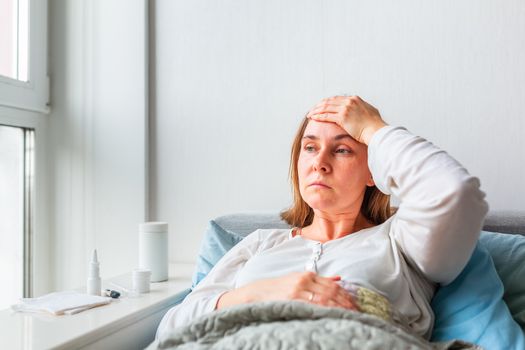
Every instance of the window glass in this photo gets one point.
(11, 215)
(14, 35)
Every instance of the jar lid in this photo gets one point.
(141, 273)
(153, 226)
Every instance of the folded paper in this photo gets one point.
(60, 303)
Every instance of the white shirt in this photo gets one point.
(429, 240)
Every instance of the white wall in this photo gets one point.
(97, 127)
(233, 79)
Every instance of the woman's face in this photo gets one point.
(332, 168)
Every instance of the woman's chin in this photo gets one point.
(329, 207)
(322, 206)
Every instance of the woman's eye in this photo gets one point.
(308, 148)
(343, 150)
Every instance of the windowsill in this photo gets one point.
(42, 331)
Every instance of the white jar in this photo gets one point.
(153, 249)
(141, 279)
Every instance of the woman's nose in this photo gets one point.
(321, 163)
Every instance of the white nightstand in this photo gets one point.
(127, 323)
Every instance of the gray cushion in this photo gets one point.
(505, 221)
(245, 223)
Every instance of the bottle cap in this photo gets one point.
(153, 226)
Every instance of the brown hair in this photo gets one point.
(375, 206)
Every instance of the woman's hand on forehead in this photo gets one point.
(357, 117)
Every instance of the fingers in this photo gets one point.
(333, 109)
(330, 298)
(320, 290)
(325, 291)
(328, 106)
(324, 109)
(325, 117)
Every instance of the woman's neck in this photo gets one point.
(326, 227)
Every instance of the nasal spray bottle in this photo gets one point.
(93, 281)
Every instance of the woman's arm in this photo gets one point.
(306, 286)
(442, 208)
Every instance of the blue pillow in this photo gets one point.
(216, 242)
(508, 253)
(471, 308)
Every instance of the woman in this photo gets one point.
(345, 163)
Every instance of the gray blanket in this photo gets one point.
(294, 325)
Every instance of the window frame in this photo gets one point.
(27, 206)
(36, 221)
(31, 95)
(26, 105)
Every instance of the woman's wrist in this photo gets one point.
(232, 297)
(369, 131)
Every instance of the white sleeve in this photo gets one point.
(219, 280)
(442, 208)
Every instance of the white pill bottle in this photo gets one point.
(153, 249)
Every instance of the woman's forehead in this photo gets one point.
(323, 129)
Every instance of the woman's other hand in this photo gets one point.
(305, 286)
(355, 116)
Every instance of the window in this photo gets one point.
(24, 95)
(16, 186)
(23, 55)
(14, 32)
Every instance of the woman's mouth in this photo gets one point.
(319, 185)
